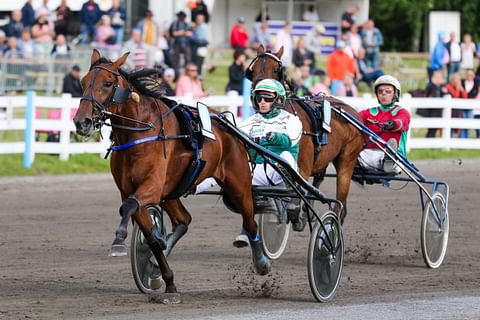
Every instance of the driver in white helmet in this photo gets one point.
(388, 120)
(276, 130)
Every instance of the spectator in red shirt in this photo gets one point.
(388, 120)
(239, 36)
(338, 65)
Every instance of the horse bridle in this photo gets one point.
(120, 95)
(267, 54)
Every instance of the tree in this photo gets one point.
(402, 21)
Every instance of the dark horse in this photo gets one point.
(149, 168)
(344, 143)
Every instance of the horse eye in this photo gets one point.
(108, 84)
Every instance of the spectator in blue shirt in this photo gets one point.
(15, 26)
(90, 14)
(439, 54)
(28, 14)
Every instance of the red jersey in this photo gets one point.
(238, 37)
(401, 117)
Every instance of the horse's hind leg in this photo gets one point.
(344, 170)
(180, 219)
(243, 200)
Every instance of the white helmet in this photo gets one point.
(387, 79)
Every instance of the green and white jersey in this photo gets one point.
(285, 129)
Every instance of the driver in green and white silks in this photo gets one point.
(273, 128)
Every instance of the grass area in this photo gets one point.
(435, 154)
(217, 80)
(12, 165)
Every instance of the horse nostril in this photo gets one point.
(83, 125)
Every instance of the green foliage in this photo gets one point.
(402, 21)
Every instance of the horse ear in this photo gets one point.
(279, 53)
(121, 60)
(261, 49)
(95, 56)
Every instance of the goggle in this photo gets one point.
(384, 91)
(266, 97)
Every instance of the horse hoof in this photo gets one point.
(156, 283)
(118, 250)
(263, 267)
(165, 298)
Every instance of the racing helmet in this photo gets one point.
(270, 85)
(390, 80)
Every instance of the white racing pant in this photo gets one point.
(260, 174)
(371, 159)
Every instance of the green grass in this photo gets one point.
(12, 165)
(435, 154)
(217, 80)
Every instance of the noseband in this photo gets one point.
(120, 95)
(262, 58)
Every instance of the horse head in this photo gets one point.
(103, 87)
(266, 65)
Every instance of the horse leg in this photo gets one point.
(180, 219)
(303, 217)
(156, 246)
(243, 200)
(344, 177)
(127, 209)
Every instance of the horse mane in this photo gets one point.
(145, 81)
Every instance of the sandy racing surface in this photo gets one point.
(55, 233)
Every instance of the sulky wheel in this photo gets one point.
(145, 270)
(274, 230)
(325, 257)
(434, 231)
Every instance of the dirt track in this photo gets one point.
(55, 233)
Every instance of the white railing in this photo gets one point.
(17, 113)
(445, 123)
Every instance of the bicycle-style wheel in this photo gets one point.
(434, 230)
(274, 230)
(325, 257)
(145, 270)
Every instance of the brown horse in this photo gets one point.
(154, 159)
(344, 143)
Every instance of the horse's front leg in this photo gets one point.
(157, 244)
(128, 208)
